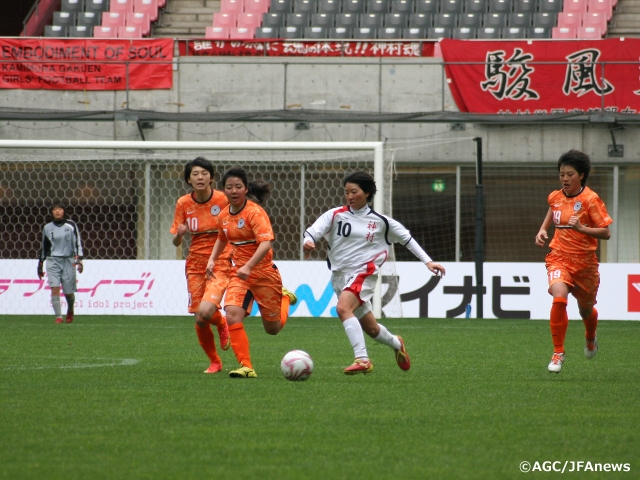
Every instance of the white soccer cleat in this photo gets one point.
(555, 365)
(591, 348)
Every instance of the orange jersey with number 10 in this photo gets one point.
(591, 212)
(245, 230)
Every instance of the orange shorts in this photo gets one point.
(197, 283)
(579, 272)
(216, 287)
(264, 285)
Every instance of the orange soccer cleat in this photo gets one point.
(359, 366)
(215, 367)
(223, 333)
(402, 357)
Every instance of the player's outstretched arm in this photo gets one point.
(436, 268)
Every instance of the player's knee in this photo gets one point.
(272, 328)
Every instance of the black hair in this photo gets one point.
(258, 189)
(197, 162)
(578, 160)
(58, 205)
(364, 181)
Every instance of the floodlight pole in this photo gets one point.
(479, 241)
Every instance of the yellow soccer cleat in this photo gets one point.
(243, 372)
(292, 296)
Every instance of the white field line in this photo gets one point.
(117, 363)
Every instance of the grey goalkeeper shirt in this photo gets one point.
(61, 240)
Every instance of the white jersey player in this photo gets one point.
(359, 241)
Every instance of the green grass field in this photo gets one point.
(125, 398)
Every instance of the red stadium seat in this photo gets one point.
(576, 6)
(232, 6)
(113, 19)
(121, 6)
(216, 33)
(601, 6)
(569, 19)
(256, 6)
(129, 32)
(147, 6)
(241, 33)
(224, 20)
(249, 20)
(595, 19)
(105, 32)
(563, 33)
(591, 33)
(162, 3)
(137, 19)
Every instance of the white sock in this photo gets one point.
(356, 337)
(55, 301)
(386, 338)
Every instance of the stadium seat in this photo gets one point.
(105, 32)
(256, 6)
(64, 19)
(591, 33)
(365, 33)
(281, 6)
(138, 19)
(305, 6)
(231, 6)
(340, 33)
(402, 6)
(113, 19)
(463, 33)
(595, 19)
(415, 33)
(420, 20)
(272, 19)
(55, 31)
(266, 32)
(514, 33)
(216, 33)
(224, 20)
(439, 32)
(316, 32)
(347, 20)
(569, 19)
(471, 20)
(353, 6)
(378, 6)
(476, 6)
(519, 20)
(301, 20)
(549, 6)
(121, 6)
(80, 31)
(563, 32)
(544, 20)
(147, 6)
(322, 20)
(445, 20)
(500, 6)
(129, 32)
(241, 33)
(496, 20)
(539, 32)
(162, 3)
(488, 33)
(71, 6)
(396, 20)
(525, 6)
(329, 6)
(371, 20)
(290, 32)
(575, 6)
(88, 19)
(426, 6)
(389, 33)
(96, 6)
(451, 6)
(249, 20)
(600, 6)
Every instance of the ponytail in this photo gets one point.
(258, 189)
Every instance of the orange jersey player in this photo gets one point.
(580, 218)
(197, 213)
(245, 225)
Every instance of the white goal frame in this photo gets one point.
(375, 147)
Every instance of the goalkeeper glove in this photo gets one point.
(78, 263)
(40, 269)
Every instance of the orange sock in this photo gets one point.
(240, 344)
(216, 319)
(559, 321)
(590, 324)
(205, 337)
(284, 310)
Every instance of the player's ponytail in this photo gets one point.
(364, 181)
(259, 190)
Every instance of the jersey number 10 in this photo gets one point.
(344, 231)
(192, 224)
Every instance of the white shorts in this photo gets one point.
(61, 271)
(361, 283)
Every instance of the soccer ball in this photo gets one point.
(296, 365)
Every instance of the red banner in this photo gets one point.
(280, 48)
(86, 64)
(544, 76)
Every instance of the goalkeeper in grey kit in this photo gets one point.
(62, 249)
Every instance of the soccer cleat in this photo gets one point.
(591, 348)
(292, 296)
(223, 333)
(59, 320)
(215, 367)
(555, 365)
(69, 317)
(243, 372)
(402, 357)
(359, 366)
